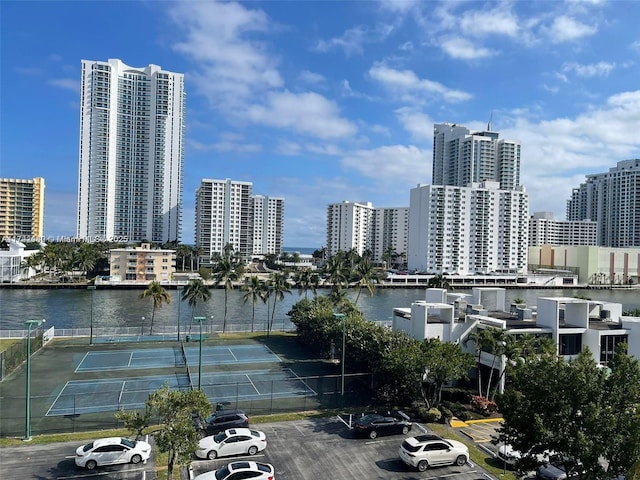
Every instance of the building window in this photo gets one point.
(570, 344)
(608, 346)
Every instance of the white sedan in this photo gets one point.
(240, 470)
(235, 441)
(110, 451)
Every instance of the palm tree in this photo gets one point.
(439, 281)
(306, 280)
(388, 256)
(158, 295)
(182, 252)
(224, 272)
(194, 292)
(366, 276)
(278, 286)
(255, 291)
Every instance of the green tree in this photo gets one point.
(389, 256)
(365, 276)
(196, 291)
(306, 280)
(439, 281)
(254, 289)
(225, 273)
(278, 286)
(158, 296)
(175, 435)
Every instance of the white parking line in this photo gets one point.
(94, 473)
(450, 475)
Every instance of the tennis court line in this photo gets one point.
(253, 384)
(273, 353)
(81, 362)
(231, 352)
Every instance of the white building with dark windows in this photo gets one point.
(465, 230)
(268, 224)
(391, 234)
(545, 230)
(462, 157)
(350, 226)
(612, 200)
(227, 212)
(131, 152)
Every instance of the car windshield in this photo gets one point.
(370, 418)
(87, 447)
(222, 473)
(255, 433)
(127, 443)
(220, 437)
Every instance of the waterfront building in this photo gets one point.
(227, 212)
(267, 225)
(573, 324)
(12, 256)
(612, 200)
(22, 209)
(463, 230)
(462, 157)
(594, 265)
(130, 180)
(545, 230)
(141, 264)
(349, 226)
(391, 234)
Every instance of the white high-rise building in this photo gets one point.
(223, 215)
(462, 157)
(227, 212)
(131, 152)
(268, 224)
(349, 226)
(611, 199)
(480, 228)
(545, 230)
(390, 233)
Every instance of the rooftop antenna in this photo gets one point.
(490, 121)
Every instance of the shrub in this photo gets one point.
(433, 415)
(482, 404)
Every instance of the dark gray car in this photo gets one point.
(222, 420)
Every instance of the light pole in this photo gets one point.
(179, 304)
(200, 320)
(342, 316)
(27, 417)
(92, 288)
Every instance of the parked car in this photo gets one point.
(235, 441)
(554, 470)
(239, 471)
(374, 424)
(425, 451)
(110, 451)
(222, 420)
(508, 455)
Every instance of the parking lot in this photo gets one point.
(310, 449)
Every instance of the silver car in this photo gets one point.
(111, 451)
(235, 441)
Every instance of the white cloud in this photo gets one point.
(352, 41)
(498, 21)
(406, 81)
(225, 146)
(417, 123)
(600, 69)
(308, 113)
(311, 78)
(567, 29)
(461, 48)
(402, 165)
(66, 83)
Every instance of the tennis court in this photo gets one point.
(173, 357)
(103, 395)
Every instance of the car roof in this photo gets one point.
(98, 442)
(238, 431)
(422, 439)
(249, 465)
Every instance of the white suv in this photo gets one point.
(426, 451)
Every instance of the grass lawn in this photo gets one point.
(7, 342)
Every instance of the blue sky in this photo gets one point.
(320, 102)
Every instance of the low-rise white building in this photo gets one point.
(12, 262)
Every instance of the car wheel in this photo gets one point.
(422, 465)
(91, 464)
(405, 430)
(252, 450)
(136, 459)
(212, 455)
(461, 460)
(373, 434)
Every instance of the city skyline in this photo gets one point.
(320, 102)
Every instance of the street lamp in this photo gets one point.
(27, 417)
(342, 316)
(179, 304)
(92, 288)
(200, 320)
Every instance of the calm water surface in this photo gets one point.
(72, 308)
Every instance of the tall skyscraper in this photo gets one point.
(611, 199)
(227, 212)
(22, 209)
(478, 229)
(131, 152)
(268, 224)
(349, 226)
(391, 230)
(462, 157)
